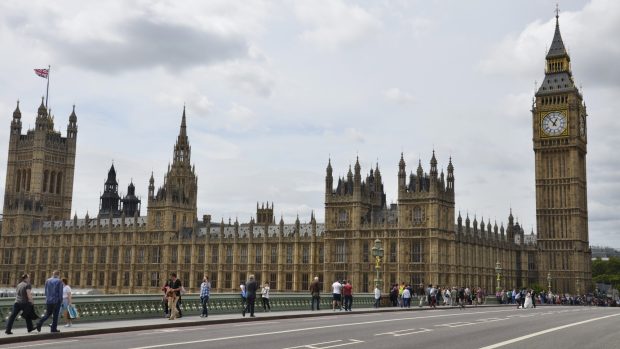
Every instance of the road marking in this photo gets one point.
(317, 328)
(406, 332)
(316, 345)
(518, 339)
(256, 323)
(48, 343)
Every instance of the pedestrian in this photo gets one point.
(250, 289)
(66, 302)
(265, 297)
(24, 303)
(336, 295)
(164, 299)
(244, 297)
(347, 292)
(205, 292)
(53, 301)
(394, 295)
(315, 292)
(432, 296)
(173, 299)
(377, 296)
(407, 297)
(177, 286)
(400, 294)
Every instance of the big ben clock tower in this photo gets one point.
(560, 146)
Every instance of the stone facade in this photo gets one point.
(424, 239)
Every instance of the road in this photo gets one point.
(487, 328)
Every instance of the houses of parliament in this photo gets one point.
(121, 250)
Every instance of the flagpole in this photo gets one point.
(49, 68)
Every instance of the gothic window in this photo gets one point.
(89, 278)
(274, 254)
(154, 279)
(393, 252)
(416, 252)
(418, 216)
(305, 281)
(101, 279)
(201, 254)
(126, 279)
(227, 280)
(114, 256)
(273, 281)
(139, 279)
(213, 279)
(343, 218)
(174, 254)
(214, 254)
(52, 181)
(174, 220)
(8, 254)
(45, 179)
(244, 255)
(155, 255)
(140, 257)
(187, 254)
(102, 254)
(113, 278)
(258, 252)
(289, 254)
(305, 256)
(19, 180)
(127, 258)
(58, 182)
(78, 255)
(365, 252)
(321, 255)
(289, 282)
(341, 251)
(229, 256)
(77, 277)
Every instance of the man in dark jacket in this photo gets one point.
(176, 285)
(315, 291)
(250, 288)
(23, 303)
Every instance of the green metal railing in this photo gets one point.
(118, 307)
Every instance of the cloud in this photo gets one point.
(332, 24)
(394, 94)
(582, 29)
(248, 76)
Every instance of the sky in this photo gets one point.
(274, 89)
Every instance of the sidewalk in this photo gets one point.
(91, 328)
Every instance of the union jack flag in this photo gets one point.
(42, 72)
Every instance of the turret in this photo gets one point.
(402, 174)
(329, 179)
(72, 127)
(151, 186)
(450, 186)
(357, 178)
(16, 123)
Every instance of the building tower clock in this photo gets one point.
(560, 147)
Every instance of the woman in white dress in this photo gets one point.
(528, 301)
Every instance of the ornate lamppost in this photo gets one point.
(498, 272)
(377, 252)
(549, 281)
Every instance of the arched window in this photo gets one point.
(19, 181)
(45, 178)
(52, 181)
(28, 180)
(58, 182)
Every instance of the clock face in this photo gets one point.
(554, 124)
(582, 126)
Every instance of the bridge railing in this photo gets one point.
(118, 307)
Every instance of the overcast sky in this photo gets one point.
(274, 89)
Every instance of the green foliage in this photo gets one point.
(607, 271)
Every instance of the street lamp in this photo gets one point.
(549, 281)
(498, 272)
(377, 252)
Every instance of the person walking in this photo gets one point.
(377, 297)
(66, 302)
(172, 299)
(205, 292)
(336, 295)
(176, 285)
(347, 292)
(164, 299)
(24, 303)
(53, 301)
(265, 297)
(315, 292)
(250, 289)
